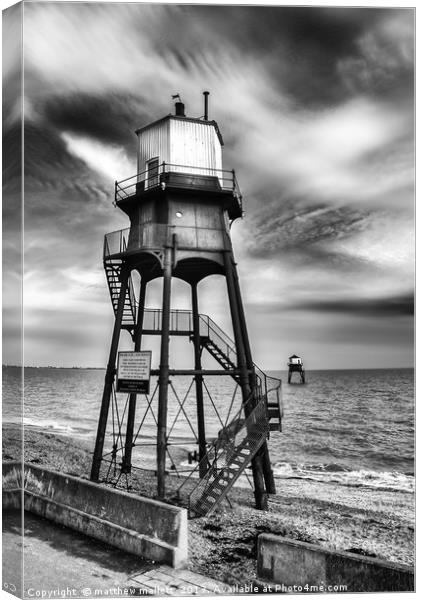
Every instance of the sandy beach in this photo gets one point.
(374, 522)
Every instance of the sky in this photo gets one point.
(315, 106)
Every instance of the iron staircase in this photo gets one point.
(273, 405)
(227, 459)
(113, 272)
(219, 355)
(274, 415)
(222, 348)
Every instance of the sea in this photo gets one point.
(351, 427)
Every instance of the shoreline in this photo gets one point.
(265, 369)
(363, 520)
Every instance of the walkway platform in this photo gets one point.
(166, 581)
(61, 563)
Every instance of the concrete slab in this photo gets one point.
(61, 561)
(166, 581)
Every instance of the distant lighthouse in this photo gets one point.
(295, 365)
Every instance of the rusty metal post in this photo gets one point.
(109, 378)
(164, 373)
(126, 466)
(263, 452)
(198, 381)
(259, 486)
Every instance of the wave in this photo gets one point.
(333, 473)
(49, 425)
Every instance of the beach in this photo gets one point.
(374, 522)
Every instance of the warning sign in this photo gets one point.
(134, 371)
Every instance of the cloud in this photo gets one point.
(110, 118)
(11, 67)
(271, 135)
(103, 158)
(329, 340)
(12, 165)
(323, 154)
(334, 237)
(316, 112)
(386, 56)
(299, 225)
(372, 307)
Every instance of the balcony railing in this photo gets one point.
(154, 236)
(150, 236)
(116, 242)
(184, 176)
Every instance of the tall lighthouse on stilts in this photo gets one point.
(181, 205)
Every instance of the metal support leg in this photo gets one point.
(263, 453)
(164, 374)
(109, 379)
(259, 486)
(199, 382)
(126, 467)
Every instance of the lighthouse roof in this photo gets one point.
(294, 356)
(179, 118)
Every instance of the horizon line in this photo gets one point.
(266, 369)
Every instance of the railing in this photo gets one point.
(132, 298)
(150, 235)
(182, 320)
(274, 392)
(178, 176)
(266, 385)
(227, 458)
(116, 242)
(208, 328)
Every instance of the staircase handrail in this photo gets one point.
(115, 242)
(230, 349)
(132, 297)
(277, 391)
(227, 448)
(221, 336)
(226, 340)
(216, 442)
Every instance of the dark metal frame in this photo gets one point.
(183, 176)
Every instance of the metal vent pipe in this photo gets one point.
(206, 95)
(179, 109)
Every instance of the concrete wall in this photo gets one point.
(287, 563)
(141, 526)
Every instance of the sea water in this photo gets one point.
(352, 427)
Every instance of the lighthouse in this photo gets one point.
(295, 365)
(181, 204)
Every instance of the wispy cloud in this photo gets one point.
(110, 161)
(372, 307)
(315, 106)
(386, 56)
